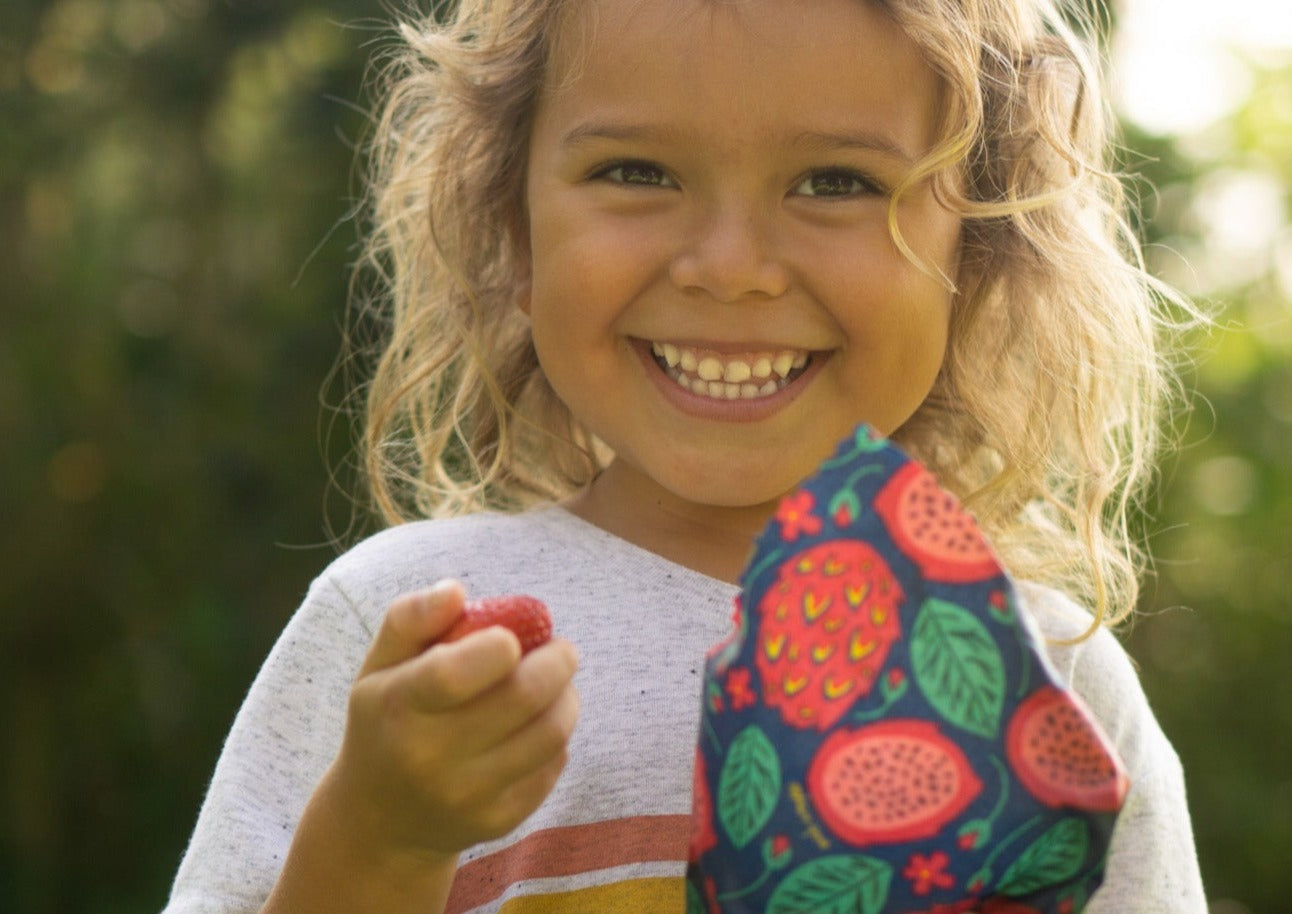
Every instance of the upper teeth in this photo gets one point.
(729, 376)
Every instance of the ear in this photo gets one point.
(521, 257)
(522, 263)
(523, 297)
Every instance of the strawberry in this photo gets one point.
(526, 616)
(825, 626)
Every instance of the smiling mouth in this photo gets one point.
(724, 376)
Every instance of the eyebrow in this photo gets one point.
(612, 130)
(811, 140)
(865, 140)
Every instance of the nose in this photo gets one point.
(730, 254)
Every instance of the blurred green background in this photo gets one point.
(175, 181)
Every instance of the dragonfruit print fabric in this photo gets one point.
(881, 734)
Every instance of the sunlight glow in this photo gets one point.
(1179, 64)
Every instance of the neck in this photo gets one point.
(716, 541)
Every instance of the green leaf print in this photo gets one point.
(958, 667)
(1053, 858)
(749, 786)
(839, 884)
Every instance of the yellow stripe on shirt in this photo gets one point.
(660, 895)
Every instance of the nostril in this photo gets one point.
(730, 265)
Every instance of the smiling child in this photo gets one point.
(646, 263)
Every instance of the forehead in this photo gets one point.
(768, 62)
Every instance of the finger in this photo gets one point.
(536, 744)
(523, 796)
(449, 676)
(539, 679)
(412, 622)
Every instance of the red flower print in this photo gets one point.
(926, 873)
(738, 690)
(795, 516)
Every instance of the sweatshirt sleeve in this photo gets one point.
(1152, 863)
(285, 735)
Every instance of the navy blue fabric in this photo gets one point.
(881, 733)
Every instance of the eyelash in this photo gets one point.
(861, 185)
(604, 173)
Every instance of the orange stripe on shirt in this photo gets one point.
(567, 851)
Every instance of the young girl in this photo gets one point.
(648, 261)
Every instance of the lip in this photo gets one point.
(711, 408)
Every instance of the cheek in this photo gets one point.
(933, 233)
(586, 276)
(922, 290)
(896, 321)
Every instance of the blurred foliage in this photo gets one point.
(173, 176)
(1217, 614)
(175, 181)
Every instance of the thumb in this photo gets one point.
(412, 623)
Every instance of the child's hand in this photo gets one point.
(457, 743)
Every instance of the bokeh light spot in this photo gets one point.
(1226, 485)
(77, 472)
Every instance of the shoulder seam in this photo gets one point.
(351, 605)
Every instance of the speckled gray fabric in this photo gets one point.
(641, 625)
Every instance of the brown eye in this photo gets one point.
(836, 183)
(638, 173)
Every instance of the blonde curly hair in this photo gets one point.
(1046, 417)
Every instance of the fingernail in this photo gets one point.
(421, 604)
(422, 601)
(441, 590)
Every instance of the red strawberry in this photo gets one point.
(825, 627)
(526, 616)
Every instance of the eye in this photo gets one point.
(635, 172)
(837, 182)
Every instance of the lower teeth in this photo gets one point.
(720, 390)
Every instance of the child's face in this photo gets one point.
(709, 180)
